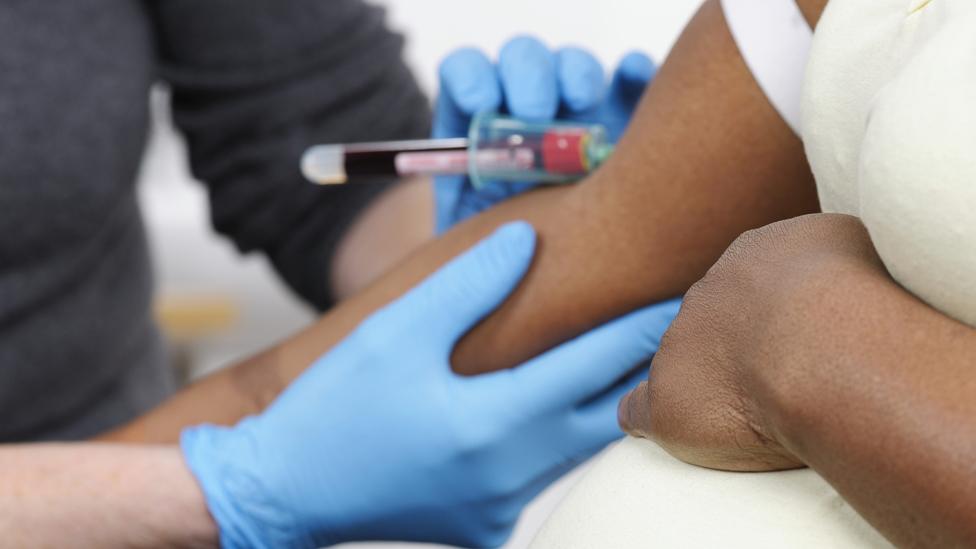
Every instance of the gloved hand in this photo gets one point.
(380, 440)
(529, 82)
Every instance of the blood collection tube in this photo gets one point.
(497, 148)
(545, 152)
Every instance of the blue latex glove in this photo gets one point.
(380, 440)
(531, 82)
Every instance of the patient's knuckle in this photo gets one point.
(763, 240)
(696, 296)
(748, 241)
(667, 423)
(667, 343)
(702, 303)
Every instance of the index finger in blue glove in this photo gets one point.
(633, 74)
(529, 80)
(630, 79)
(581, 79)
(596, 424)
(583, 368)
(452, 300)
(469, 84)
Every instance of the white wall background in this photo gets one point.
(191, 261)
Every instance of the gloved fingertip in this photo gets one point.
(456, 297)
(506, 256)
(521, 46)
(663, 310)
(581, 79)
(528, 78)
(517, 240)
(469, 80)
(643, 327)
(496, 538)
(636, 68)
(470, 286)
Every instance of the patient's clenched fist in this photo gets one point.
(729, 376)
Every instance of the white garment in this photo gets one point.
(890, 130)
(774, 40)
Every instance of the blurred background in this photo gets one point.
(219, 306)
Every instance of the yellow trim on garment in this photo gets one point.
(920, 7)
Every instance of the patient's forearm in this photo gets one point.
(706, 158)
(888, 414)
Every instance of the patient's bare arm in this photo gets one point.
(836, 367)
(706, 158)
(889, 417)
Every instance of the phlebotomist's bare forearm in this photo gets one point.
(107, 496)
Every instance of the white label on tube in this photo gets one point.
(456, 162)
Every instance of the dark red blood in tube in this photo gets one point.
(562, 151)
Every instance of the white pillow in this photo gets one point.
(636, 496)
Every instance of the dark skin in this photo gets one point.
(706, 158)
(807, 353)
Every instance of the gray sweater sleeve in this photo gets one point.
(253, 83)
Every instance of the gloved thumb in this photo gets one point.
(455, 298)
